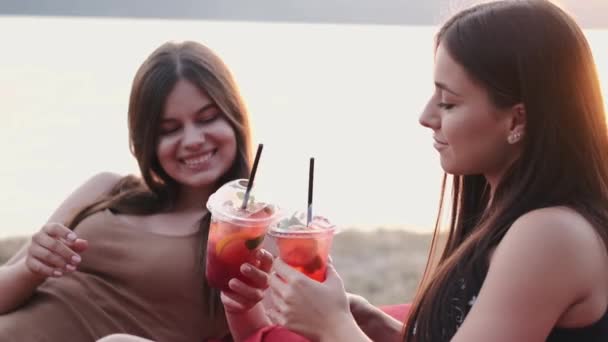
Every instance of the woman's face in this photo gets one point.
(196, 145)
(470, 132)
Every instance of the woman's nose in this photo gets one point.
(430, 117)
(194, 137)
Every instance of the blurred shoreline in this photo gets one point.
(383, 265)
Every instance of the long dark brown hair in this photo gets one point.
(528, 52)
(155, 191)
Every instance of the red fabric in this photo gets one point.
(281, 334)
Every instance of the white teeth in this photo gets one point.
(193, 162)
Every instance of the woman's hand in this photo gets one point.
(54, 251)
(244, 296)
(318, 311)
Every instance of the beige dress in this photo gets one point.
(129, 281)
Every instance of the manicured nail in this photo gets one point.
(70, 268)
(76, 259)
(245, 268)
(71, 237)
(57, 273)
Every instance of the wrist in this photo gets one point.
(25, 273)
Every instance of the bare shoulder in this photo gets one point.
(560, 238)
(87, 193)
(102, 182)
(548, 263)
(560, 227)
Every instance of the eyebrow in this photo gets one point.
(445, 87)
(201, 110)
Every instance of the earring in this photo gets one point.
(514, 137)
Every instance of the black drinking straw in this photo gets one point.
(252, 176)
(311, 176)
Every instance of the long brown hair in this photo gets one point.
(155, 191)
(529, 52)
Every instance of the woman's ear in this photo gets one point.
(517, 124)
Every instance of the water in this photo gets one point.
(349, 95)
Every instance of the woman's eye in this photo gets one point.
(168, 130)
(445, 105)
(207, 118)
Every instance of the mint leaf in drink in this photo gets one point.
(252, 244)
(240, 195)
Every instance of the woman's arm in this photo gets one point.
(549, 260)
(50, 252)
(375, 323)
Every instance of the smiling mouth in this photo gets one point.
(198, 161)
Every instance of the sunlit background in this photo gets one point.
(349, 95)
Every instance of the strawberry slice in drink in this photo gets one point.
(298, 251)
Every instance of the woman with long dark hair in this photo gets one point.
(518, 120)
(126, 254)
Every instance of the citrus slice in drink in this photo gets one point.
(236, 248)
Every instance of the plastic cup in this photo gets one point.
(305, 248)
(235, 234)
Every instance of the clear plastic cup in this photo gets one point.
(305, 248)
(235, 234)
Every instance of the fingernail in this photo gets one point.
(260, 253)
(70, 268)
(57, 273)
(245, 268)
(76, 259)
(71, 236)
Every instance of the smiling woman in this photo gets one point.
(126, 251)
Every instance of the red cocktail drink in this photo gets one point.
(305, 248)
(235, 234)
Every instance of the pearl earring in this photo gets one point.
(514, 137)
